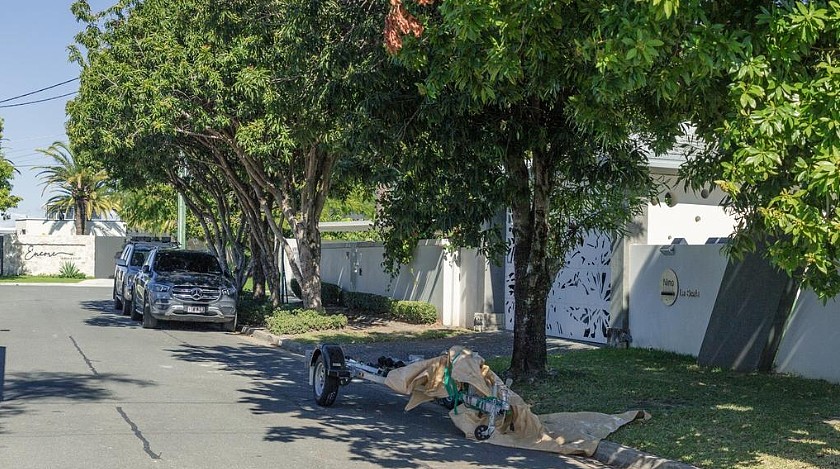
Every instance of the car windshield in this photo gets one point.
(182, 261)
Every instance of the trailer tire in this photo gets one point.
(324, 386)
(481, 432)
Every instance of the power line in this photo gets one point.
(37, 91)
(39, 100)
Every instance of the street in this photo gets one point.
(88, 388)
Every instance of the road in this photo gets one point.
(88, 388)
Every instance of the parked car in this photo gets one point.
(181, 285)
(127, 265)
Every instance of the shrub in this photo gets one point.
(368, 303)
(299, 321)
(69, 270)
(415, 312)
(252, 311)
(330, 293)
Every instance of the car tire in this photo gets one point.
(118, 304)
(324, 386)
(149, 321)
(135, 316)
(229, 326)
(127, 307)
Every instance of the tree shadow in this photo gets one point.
(24, 387)
(369, 418)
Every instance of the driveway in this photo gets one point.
(88, 388)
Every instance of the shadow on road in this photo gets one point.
(23, 388)
(368, 417)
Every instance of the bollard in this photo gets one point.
(2, 370)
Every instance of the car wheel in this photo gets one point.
(149, 322)
(117, 303)
(127, 307)
(134, 314)
(324, 386)
(229, 326)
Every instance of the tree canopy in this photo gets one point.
(7, 200)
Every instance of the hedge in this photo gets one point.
(368, 303)
(415, 312)
(300, 321)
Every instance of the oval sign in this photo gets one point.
(669, 286)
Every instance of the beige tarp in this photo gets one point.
(567, 433)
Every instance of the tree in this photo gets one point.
(513, 89)
(7, 200)
(274, 95)
(80, 187)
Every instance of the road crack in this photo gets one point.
(89, 363)
(147, 447)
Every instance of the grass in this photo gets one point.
(38, 279)
(369, 337)
(710, 418)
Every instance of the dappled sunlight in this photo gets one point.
(733, 407)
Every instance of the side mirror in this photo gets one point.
(121, 262)
(146, 269)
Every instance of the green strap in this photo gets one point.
(450, 385)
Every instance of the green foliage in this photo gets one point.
(368, 303)
(79, 185)
(779, 142)
(7, 200)
(252, 311)
(299, 321)
(414, 312)
(69, 270)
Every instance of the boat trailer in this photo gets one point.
(330, 369)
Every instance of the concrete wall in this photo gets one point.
(809, 344)
(680, 327)
(43, 226)
(690, 215)
(457, 284)
(45, 254)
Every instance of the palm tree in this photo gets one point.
(79, 187)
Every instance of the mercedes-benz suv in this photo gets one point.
(181, 285)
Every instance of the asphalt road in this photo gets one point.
(88, 388)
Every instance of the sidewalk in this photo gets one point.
(489, 345)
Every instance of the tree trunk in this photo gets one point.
(531, 262)
(257, 271)
(79, 222)
(309, 256)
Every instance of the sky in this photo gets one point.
(34, 36)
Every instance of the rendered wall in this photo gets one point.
(457, 284)
(680, 327)
(809, 345)
(42, 226)
(45, 254)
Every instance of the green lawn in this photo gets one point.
(38, 279)
(707, 417)
(350, 337)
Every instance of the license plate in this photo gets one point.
(197, 309)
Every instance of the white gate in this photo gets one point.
(578, 305)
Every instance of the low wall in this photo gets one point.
(681, 326)
(457, 284)
(808, 347)
(45, 254)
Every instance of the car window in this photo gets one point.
(181, 261)
(138, 258)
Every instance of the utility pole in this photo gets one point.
(182, 214)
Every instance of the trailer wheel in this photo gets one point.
(482, 433)
(324, 387)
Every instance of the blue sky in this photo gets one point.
(34, 35)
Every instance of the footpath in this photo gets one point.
(489, 345)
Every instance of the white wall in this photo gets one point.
(45, 254)
(42, 226)
(693, 216)
(809, 345)
(680, 327)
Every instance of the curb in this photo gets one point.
(609, 453)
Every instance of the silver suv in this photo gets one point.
(179, 285)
